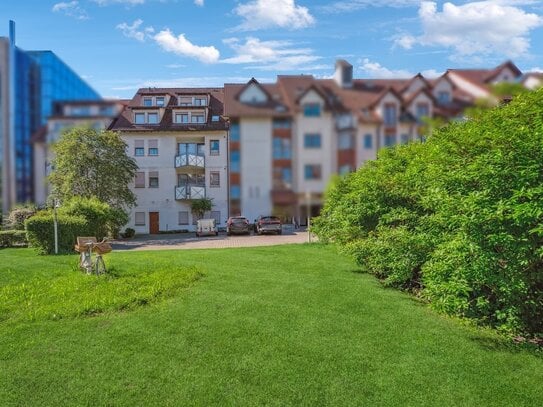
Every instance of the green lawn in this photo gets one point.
(283, 325)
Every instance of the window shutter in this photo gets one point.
(138, 143)
(153, 143)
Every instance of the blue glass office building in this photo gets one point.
(30, 82)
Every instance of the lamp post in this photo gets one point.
(56, 204)
(308, 201)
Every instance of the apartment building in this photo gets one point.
(178, 138)
(97, 114)
(289, 138)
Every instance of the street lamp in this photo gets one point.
(56, 204)
(308, 201)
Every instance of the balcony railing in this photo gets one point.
(189, 160)
(190, 192)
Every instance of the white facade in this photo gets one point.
(175, 214)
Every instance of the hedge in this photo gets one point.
(40, 232)
(12, 238)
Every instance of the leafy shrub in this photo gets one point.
(18, 215)
(40, 232)
(102, 219)
(129, 233)
(11, 238)
(458, 219)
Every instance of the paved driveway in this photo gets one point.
(190, 241)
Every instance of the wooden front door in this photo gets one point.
(153, 223)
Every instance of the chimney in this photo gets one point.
(12, 32)
(344, 74)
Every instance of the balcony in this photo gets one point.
(189, 160)
(185, 192)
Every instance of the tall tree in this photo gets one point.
(93, 163)
(201, 206)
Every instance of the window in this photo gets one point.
(235, 192)
(153, 179)
(183, 218)
(160, 101)
(152, 118)
(139, 218)
(281, 148)
(404, 138)
(214, 118)
(140, 180)
(153, 147)
(345, 141)
(423, 110)
(185, 101)
(234, 132)
(214, 179)
(344, 169)
(214, 147)
(312, 110)
(234, 161)
(312, 172)
(147, 102)
(286, 175)
(312, 141)
(181, 118)
(390, 114)
(139, 118)
(390, 140)
(139, 150)
(197, 118)
(368, 141)
(443, 97)
(200, 101)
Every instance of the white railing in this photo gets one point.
(190, 192)
(190, 160)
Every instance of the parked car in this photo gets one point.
(268, 224)
(238, 225)
(206, 227)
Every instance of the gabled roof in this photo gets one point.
(413, 79)
(253, 81)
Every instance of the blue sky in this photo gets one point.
(121, 45)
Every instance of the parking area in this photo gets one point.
(190, 241)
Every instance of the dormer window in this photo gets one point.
(389, 116)
(139, 118)
(147, 101)
(185, 101)
(312, 110)
(197, 118)
(160, 101)
(215, 118)
(146, 118)
(181, 118)
(200, 102)
(444, 97)
(152, 118)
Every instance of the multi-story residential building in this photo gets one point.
(178, 138)
(29, 82)
(97, 114)
(288, 138)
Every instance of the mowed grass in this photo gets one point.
(283, 325)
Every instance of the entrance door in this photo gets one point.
(153, 223)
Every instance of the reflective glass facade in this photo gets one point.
(36, 80)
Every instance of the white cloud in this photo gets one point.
(271, 55)
(376, 70)
(260, 14)
(199, 2)
(134, 31)
(184, 82)
(475, 29)
(431, 73)
(127, 2)
(72, 9)
(181, 46)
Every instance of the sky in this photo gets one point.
(118, 46)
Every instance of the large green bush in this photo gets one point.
(458, 218)
(18, 215)
(102, 219)
(40, 232)
(12, 238)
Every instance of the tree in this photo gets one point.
(201, 206)
(93, 163)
